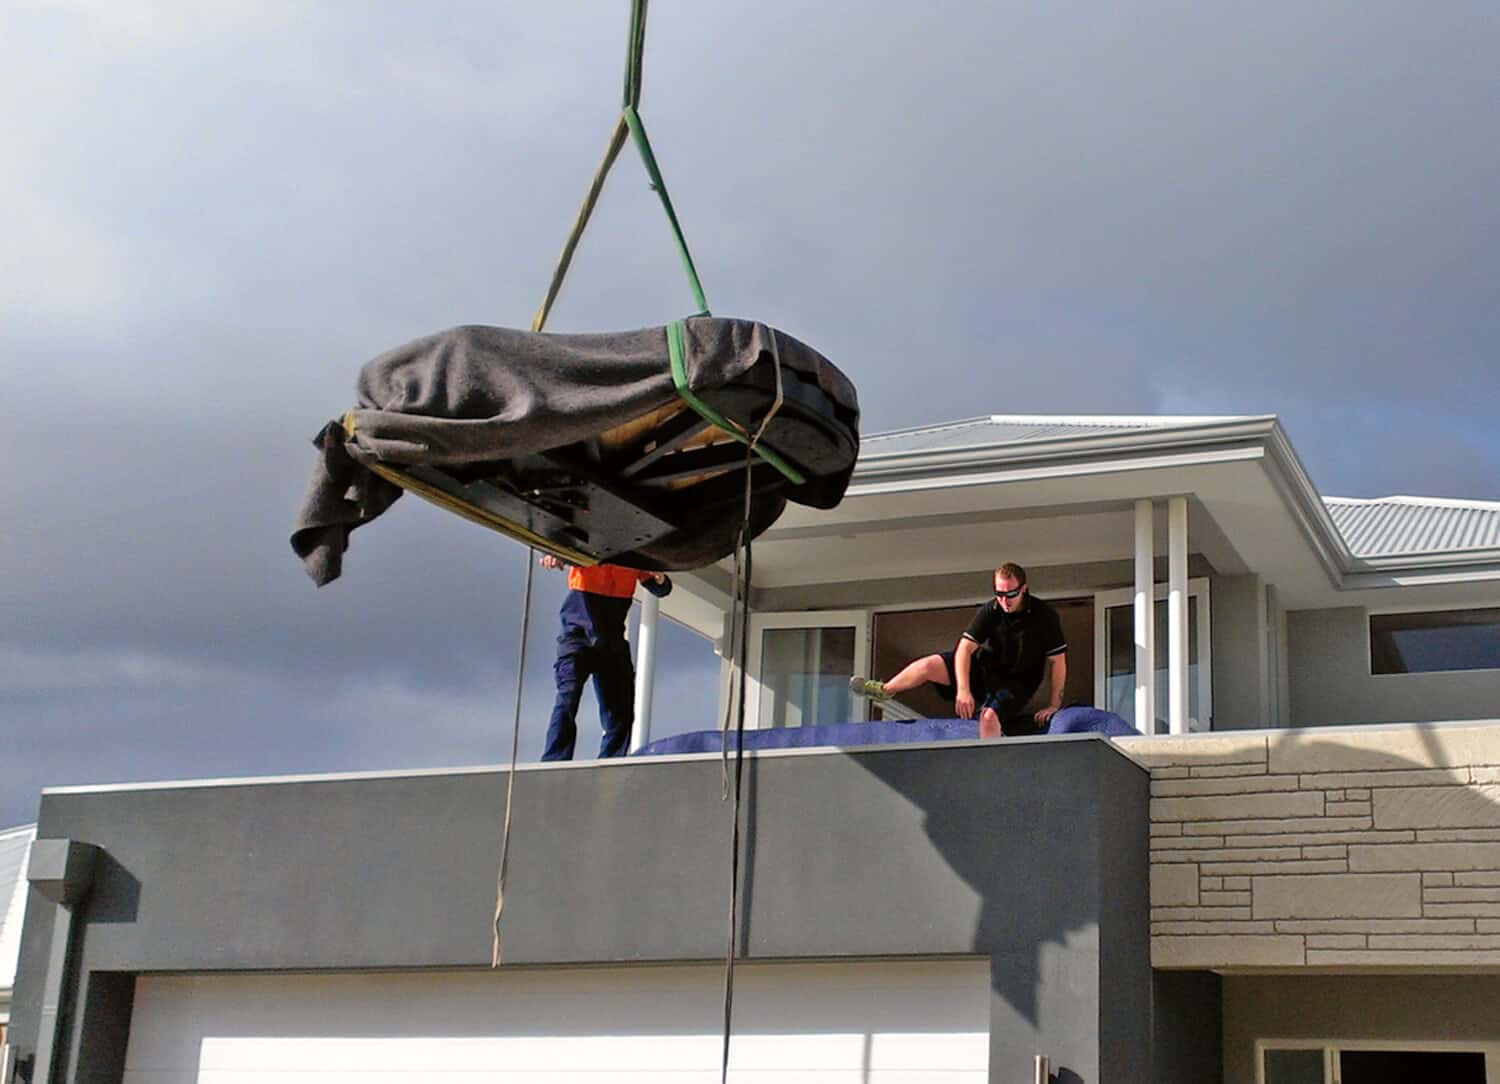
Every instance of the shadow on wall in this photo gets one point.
(1030, 856)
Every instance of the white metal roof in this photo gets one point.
(1390, 527)
(1394, 526)
(997, 429)
(15, 846)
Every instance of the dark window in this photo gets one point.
(1425, 642)
(1411, 1067)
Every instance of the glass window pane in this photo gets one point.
(1409, 1066)
(1427, 642)
(804, 676)
(1120, 653)
(1294, 1066)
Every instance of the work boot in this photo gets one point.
(868, 688)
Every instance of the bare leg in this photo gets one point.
(927, 668)
(989, 724)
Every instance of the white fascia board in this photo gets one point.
(988, 471)
(1302, 499)
(1437, 576)
(1155, 421)
(1124, 446)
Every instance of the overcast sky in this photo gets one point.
(211, 214)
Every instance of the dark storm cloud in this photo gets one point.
(215, 214)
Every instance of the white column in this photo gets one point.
(1145, 624)
(1177, 616)
(645, 670)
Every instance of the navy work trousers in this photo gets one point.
(608, 663)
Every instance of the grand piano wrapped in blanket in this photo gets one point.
(625, 447)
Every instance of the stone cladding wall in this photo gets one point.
(1327, 847)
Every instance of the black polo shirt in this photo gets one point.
(1014, 647)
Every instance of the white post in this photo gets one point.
(645, 670)
(1177, 616)
(1145, 619)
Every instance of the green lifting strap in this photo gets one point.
(677, 352)
(628, 123)
(642, 144)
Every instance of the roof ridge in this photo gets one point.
(1120, 420)
(1115, 421)
(935, 428)
(1422, 502)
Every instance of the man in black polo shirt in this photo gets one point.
(1012, 643)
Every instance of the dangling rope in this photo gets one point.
(739, 624)
(628, 123)
(510, 778)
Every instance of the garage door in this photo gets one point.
(871, 1023)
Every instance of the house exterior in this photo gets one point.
(15, 848)
(1292, 875)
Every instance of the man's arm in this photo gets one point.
(1057, 677)
(963, 658)
(658, 583)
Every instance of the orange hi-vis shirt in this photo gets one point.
(612, 581)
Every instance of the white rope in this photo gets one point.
(510, 779)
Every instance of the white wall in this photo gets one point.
(883, 1023)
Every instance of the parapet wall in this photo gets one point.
(1329, 847)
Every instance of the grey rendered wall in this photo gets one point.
(1409, 1007)
(1328, 657)
(1242, 682)
(1008, 851)
(1187, 1019)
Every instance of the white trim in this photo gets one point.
(1424, 502)
(1177, 630)
(1145, 623)
(1152, 421)
(858, 620)
(1197, 588)
(1261, 1046)
(1128, 445)
(645, 668)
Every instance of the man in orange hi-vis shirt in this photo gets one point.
(592, 644)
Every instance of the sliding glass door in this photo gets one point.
(800, 665)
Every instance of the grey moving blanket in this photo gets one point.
(473, 399)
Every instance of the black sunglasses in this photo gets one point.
(1012, 593)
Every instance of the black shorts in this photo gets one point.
(1005, 698)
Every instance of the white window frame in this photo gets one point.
(859, 620)
(1332, 1047)
(1197, 588)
